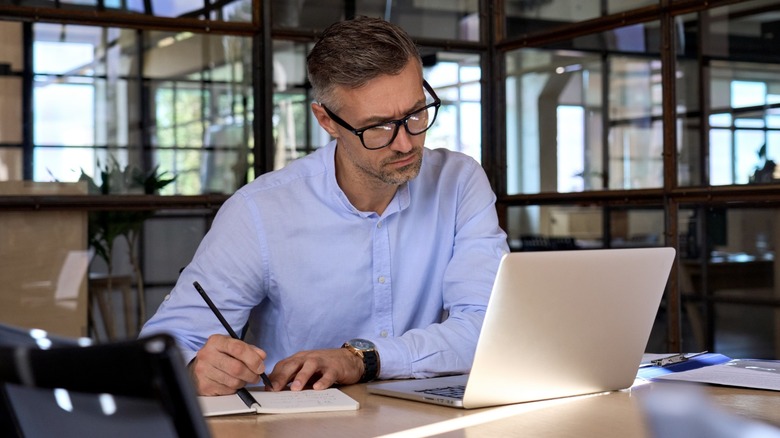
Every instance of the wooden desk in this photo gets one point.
(616, 414)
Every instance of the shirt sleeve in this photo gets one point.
(225, 265)
(479, 243)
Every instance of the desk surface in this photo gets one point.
(615, 414)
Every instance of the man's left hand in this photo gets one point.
(320, 368)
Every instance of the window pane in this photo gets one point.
(535, 228)
(421, 18)
(202, 102)
(727, 269)
(186, 165)
(64, 113)
(524, 16)
(199, 97)
(455, 79)
(84, 91)
(236, 10)
(748, 157)
(174, 240)
(557, 115)
(62, 164)
(295, 130)
(571, 139)
(741, 93)
(721, 160)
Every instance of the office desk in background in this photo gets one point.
(730, 279)
(615, 414)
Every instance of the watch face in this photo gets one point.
(362, 344)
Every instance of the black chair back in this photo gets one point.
(131, 388)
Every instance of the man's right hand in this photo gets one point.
(224, 365)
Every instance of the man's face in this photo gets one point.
(381, 99)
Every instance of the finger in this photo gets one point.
(283, 372)
(221, 364)
(328, 379)
(304, 375)
(247, 361)
(260, 352)
(209, 380)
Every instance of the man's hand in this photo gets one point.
(320, 368)
(225, 365)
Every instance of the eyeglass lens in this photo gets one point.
(416, 123)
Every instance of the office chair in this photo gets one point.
(131, 388)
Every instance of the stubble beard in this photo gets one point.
(402, 175)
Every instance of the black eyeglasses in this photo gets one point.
(382, 134)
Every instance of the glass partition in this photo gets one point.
(740, 66)
(223, 10)
(586, 115)
(559, 227)
(296, 131)
(458, 20)
(727, 278)
(528, 16)
(91, 85)
(456, 79)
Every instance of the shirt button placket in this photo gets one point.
(383, 285)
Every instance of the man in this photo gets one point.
(372, 243)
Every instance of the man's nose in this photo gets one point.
(403, 141)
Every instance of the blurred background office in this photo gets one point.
(125, 124)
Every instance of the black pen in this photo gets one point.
(229, 329)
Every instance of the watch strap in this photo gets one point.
(370, 360)
(370, 366)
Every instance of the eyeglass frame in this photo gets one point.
(436, 104)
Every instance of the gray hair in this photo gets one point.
(353, 52)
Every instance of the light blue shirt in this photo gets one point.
(289, 253)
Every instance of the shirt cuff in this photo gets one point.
(394, 359)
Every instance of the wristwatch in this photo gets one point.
(365, 350)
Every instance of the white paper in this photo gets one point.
(223, 405)
(304, 401)
(281, 402)
(739, 372)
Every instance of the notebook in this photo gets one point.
(558, 324)
(280, 402)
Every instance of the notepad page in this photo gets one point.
(223, 405)
(325, 400)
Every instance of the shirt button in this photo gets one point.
(167, 297)
(381, 280)
(383, 333)
(379, 224)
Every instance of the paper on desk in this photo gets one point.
(279, 402)
(744, 373)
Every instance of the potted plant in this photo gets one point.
(105, 227)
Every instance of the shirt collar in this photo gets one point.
(400, 201)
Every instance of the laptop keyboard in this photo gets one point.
(455, 391)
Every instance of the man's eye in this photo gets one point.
(382, 128)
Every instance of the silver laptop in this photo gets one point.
(558, 324)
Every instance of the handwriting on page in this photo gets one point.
(292, 399)
(330, 399)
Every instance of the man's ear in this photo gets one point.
(324, 120)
